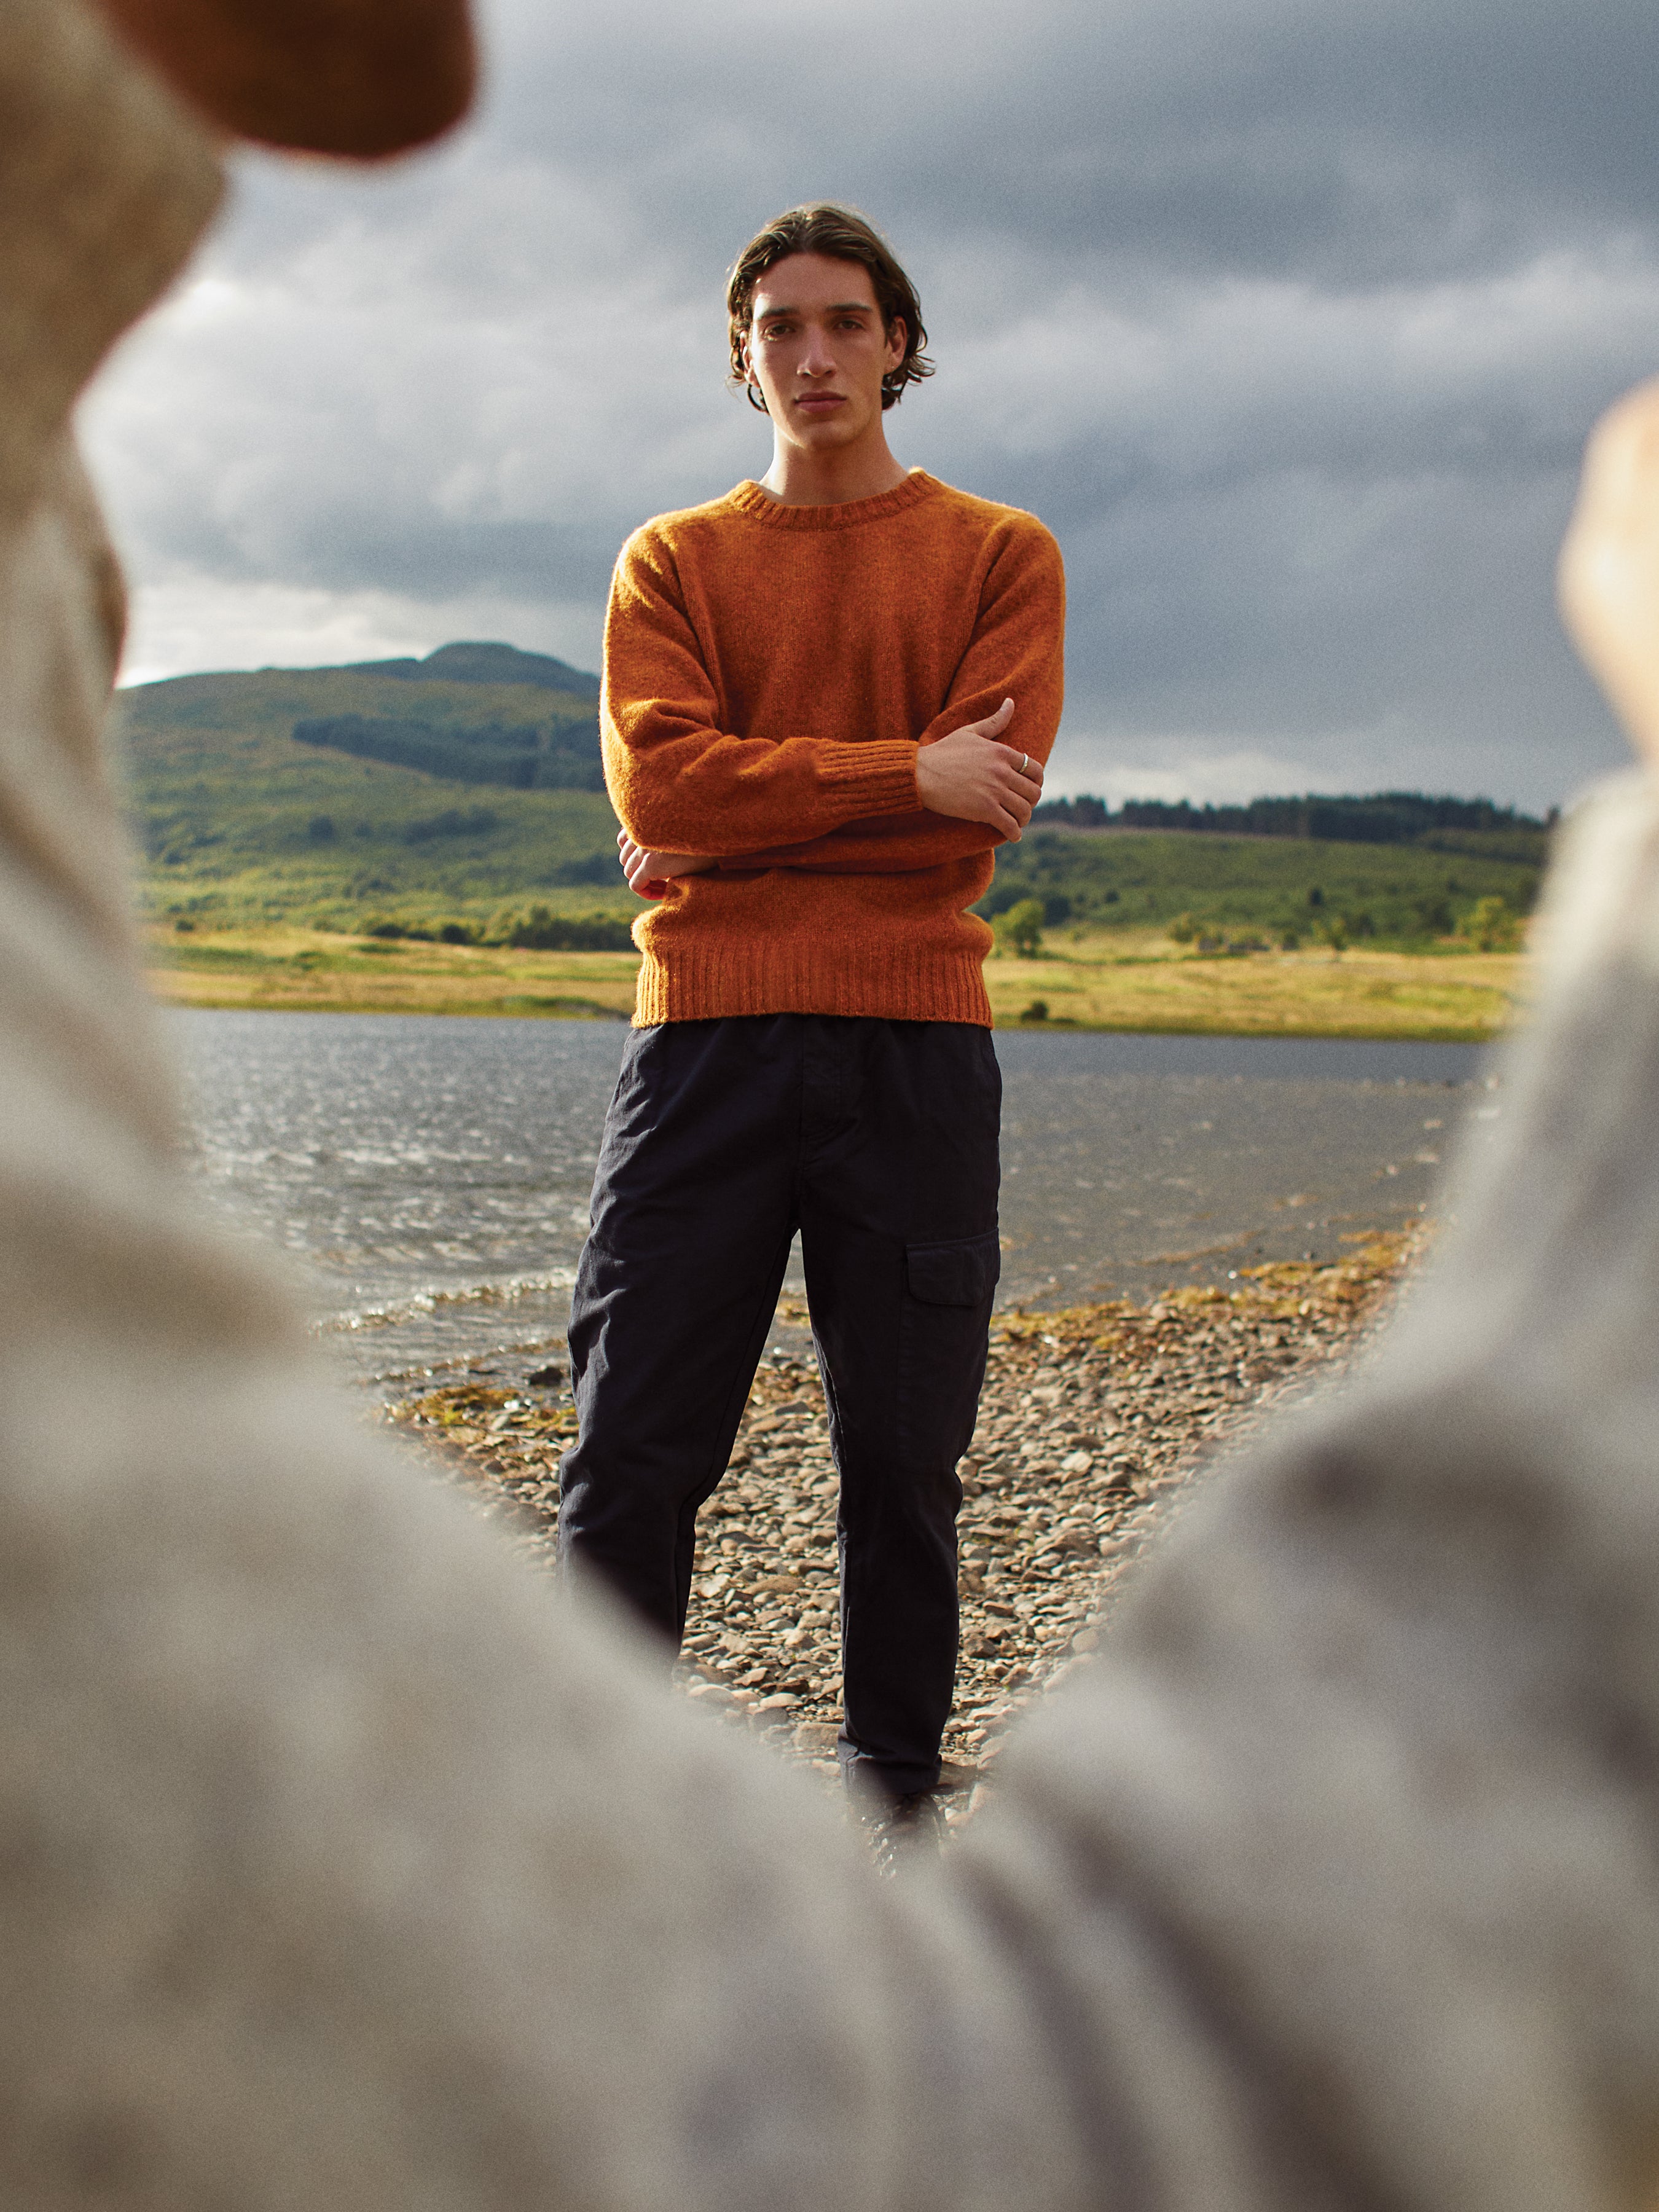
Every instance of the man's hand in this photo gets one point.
(1609, 572)
(649, 873)
(971, 776)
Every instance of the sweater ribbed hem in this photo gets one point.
(709, 982)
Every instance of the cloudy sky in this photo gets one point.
(1288, 316)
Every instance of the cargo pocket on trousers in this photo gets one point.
(944, 1328)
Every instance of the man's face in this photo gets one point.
(817, 351)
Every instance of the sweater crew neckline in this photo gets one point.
(749, 498)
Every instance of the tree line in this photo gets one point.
(518, 757)
(1385, 818)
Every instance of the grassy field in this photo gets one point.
(1281, 889)
(294, 970)
(1118, 983)
(1082, 980)
(284, 867)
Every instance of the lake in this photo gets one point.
(428, 1177)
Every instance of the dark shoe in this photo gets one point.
(898, 1829)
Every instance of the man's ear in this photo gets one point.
(752, 386)
(898, 337)
(356, 77)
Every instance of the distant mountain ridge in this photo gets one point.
(484, 661)
(476, 711)
(555, 750)
(341, 791)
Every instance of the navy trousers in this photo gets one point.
(877, 1140)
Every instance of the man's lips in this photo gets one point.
(820, 402)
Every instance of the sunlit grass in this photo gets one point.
(1121, 981)
(1116, 980)
(297, 970)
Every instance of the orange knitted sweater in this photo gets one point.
(770, 671)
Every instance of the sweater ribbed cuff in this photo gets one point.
(881, 776)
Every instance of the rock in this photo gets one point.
(1052, 1521)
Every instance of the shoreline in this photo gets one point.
(1096, 1425)
(1064, 1026)
(1115, 986)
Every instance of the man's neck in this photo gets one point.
(801, 478)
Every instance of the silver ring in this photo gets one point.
(1025, 763)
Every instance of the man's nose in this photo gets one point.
(816, 359)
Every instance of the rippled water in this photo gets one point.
(1130, 1163)
(430, 1177)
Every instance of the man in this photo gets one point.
(827, 697)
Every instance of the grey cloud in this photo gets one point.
(1372, 143)
(1290, 319)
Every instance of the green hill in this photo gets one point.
(1282, 889)
(420, 790)
(449, 792)
(477, 663)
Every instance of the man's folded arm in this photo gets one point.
(1018, 652)
(681, 784)
(892, 844)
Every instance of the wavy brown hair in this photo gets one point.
(840, 234)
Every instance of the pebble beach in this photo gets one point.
(1095, 1425)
